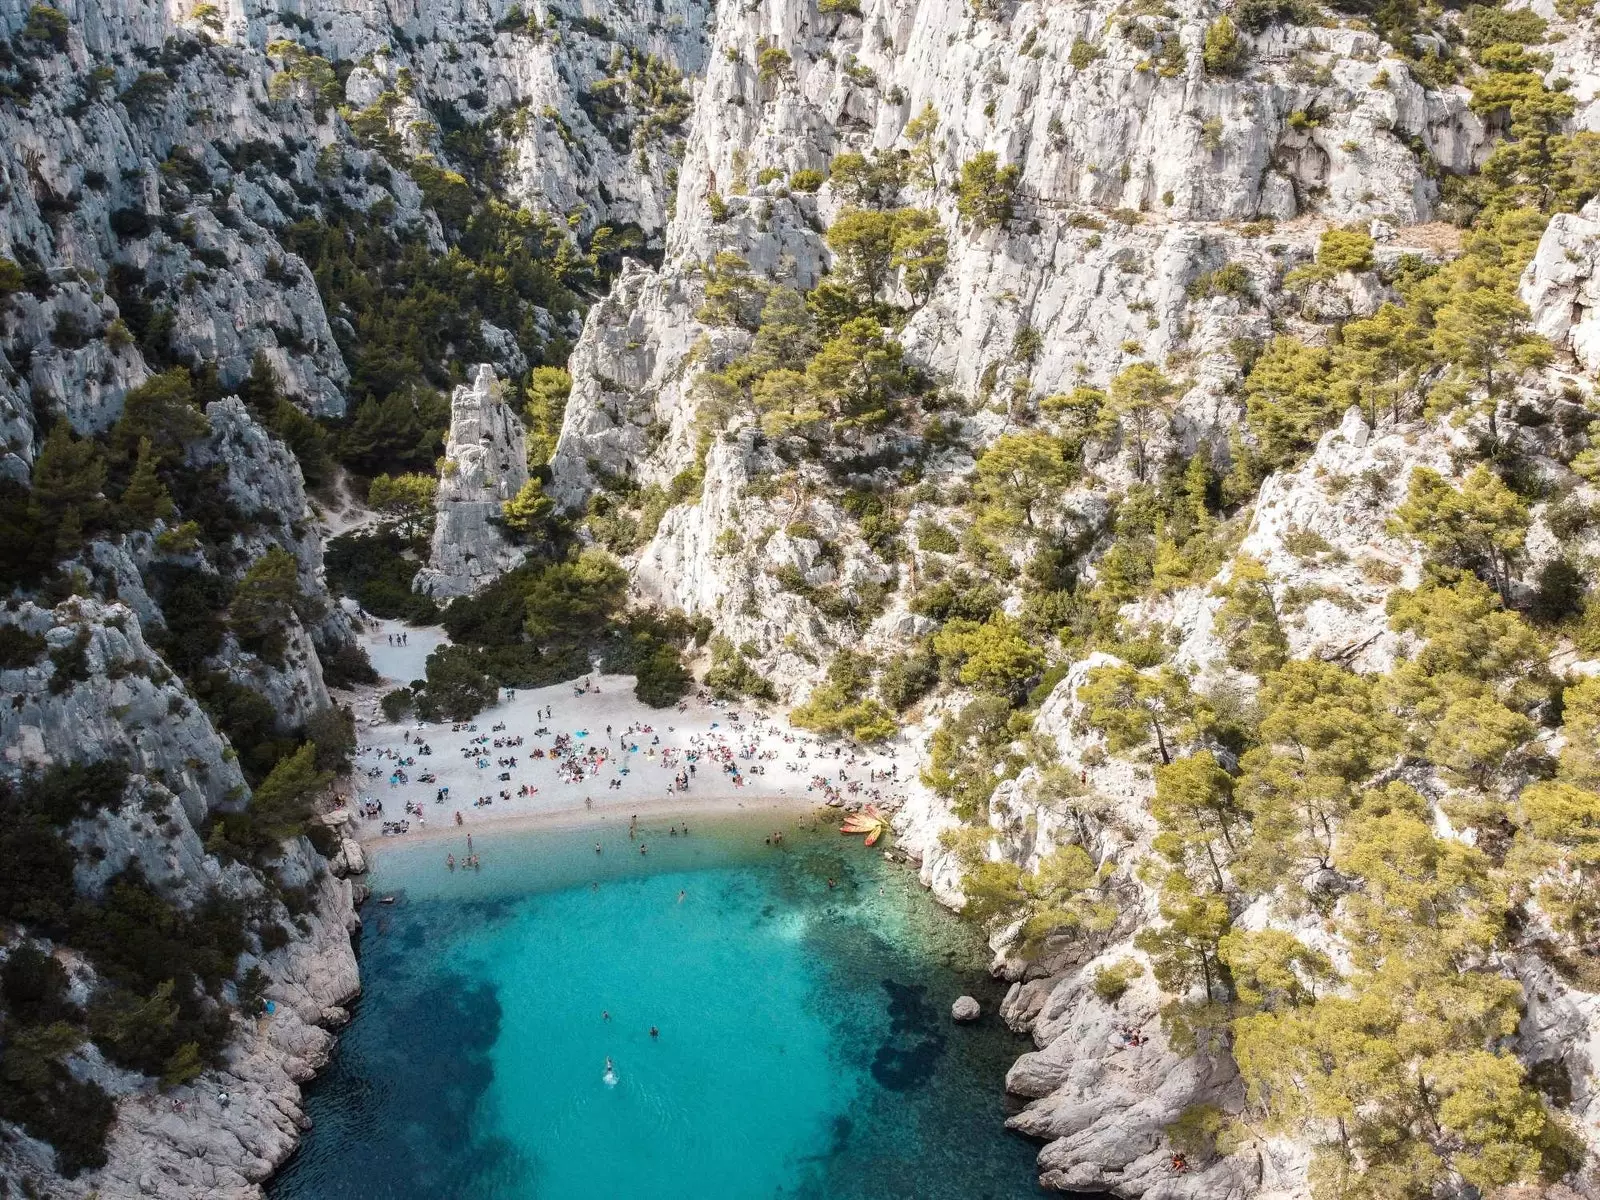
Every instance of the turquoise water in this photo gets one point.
(805, 1047)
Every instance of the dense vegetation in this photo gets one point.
(1379, 1030)
(167, 978)
(1379, 1027)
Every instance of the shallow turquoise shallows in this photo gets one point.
(805, 1047)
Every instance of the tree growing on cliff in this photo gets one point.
(1062, 897)
(146, 498)
(987, 191)
(267, 598)
(1480, 526)
(1133, 709)
(993, 656)
(862, 241)
(1195, 806)
(920, 251)
(526, 513)
(1017, 473)
(858, 373)
(1141, 399)
(1290, 401)
(1247, 621)
(1225, 52)
(160, 410)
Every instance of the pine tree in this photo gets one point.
(1141, 399)
(146, 498)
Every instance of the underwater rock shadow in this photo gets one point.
(438, 1079)
(911, 1053)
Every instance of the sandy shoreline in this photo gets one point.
(569, 756)
(650, 814)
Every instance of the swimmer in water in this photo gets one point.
(610, 1076)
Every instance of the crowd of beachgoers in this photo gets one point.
(589, 746)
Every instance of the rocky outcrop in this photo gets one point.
(485, 464)
(1105, 1086)
(98, 689)
(226, 1133)
(1323, 534)
(1561, 286)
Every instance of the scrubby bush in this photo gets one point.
(19, 648)
(398, 704)
(660, 678)
(46, 25)
(458, 687)
(732, 676)
(347, 666)
(374, 570)
(936, 537)
(1111, 981)
(908, 677)
(1225, 52)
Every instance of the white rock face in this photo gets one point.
(485, 464)
(101, 689)
(964, 1009)
(1561, 286)
(209, 1149)
(1322, 534)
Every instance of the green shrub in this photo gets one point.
(731, 676)
(372, 569)
(39, 1093)
(1230, 279)
(398, 704)
(46, 25)
(660, 678)
(1111, 981)
(936, 537)
(1225, 52)
(1345, 250)
(12, 279)
(1083, 53)
(19, 648)
(458, 687)
(908, 677)
(806, 180)
(347, 666)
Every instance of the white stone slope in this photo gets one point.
(1561, 286)
(119, 699)
(187, 186)
(485, 464)
(1181, 157)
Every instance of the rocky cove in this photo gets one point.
(1161, 429)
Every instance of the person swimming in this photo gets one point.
(610, 1076)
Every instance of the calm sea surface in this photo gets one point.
(805, 1046)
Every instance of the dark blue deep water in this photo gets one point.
(805, 1047)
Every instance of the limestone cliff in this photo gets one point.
(485, 465)
(1139, 176)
